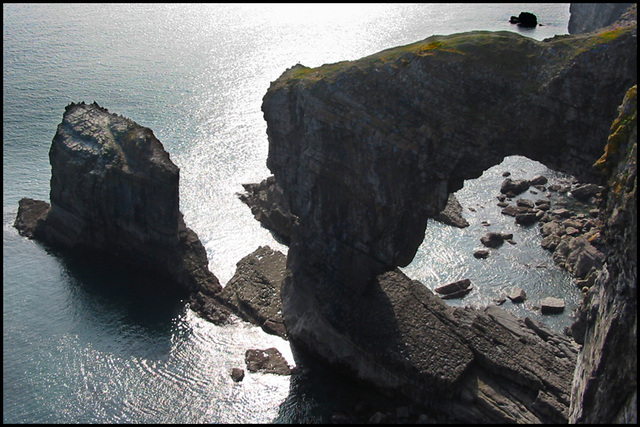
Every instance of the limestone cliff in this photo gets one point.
(587, 17)
(605, 386)
(366, 151)
(114, 190)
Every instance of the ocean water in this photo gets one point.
(80, 343)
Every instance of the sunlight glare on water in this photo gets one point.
(80, 345)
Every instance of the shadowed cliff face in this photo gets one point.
(366, 151)
(114, 190)
(605, 385)
(586, 17)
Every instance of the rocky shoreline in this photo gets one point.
(338, 294)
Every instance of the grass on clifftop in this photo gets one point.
(500, 50)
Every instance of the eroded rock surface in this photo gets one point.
(605, 387)
(474, 365)
(366, 151)
(114, 190)
(254, 291)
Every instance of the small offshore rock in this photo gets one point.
(552, 228)
(453, 287)
(237, 374)
(538, 180)
(481, 254)
(550, 242)
(551, 305)
(562, 213)
(514, 186)
(31, 216)
(571, 231)
(510, 210)
(527, 218)
(527, 203)
(525, 19)
(492, 240)
(269, 361)
(517, 295)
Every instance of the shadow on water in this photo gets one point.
(319, 395)
(112, 298)
(323, 393)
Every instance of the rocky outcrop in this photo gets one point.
(587, 17)
(473, 365)
(452, 213)
(114, 190)
(605, 385)
(525, 19)
(269, 361)
(366, 151)
(254, 291)
(269, 206)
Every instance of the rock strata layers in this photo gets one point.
(254, 291)
(587, 17)
(366, 151)
(473, 365)
(114, 190)
(605, 386)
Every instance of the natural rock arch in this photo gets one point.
(366, 151)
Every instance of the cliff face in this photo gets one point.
(587, 17)
(366, 151)
(114, 189)
(605, 385)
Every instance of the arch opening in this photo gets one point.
(447, 252)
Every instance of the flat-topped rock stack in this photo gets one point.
(114, 190)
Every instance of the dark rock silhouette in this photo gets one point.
(114, 190)
(525, 19)
(366, 151)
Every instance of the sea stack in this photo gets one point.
(114, 190)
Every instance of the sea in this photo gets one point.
(81, 343)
